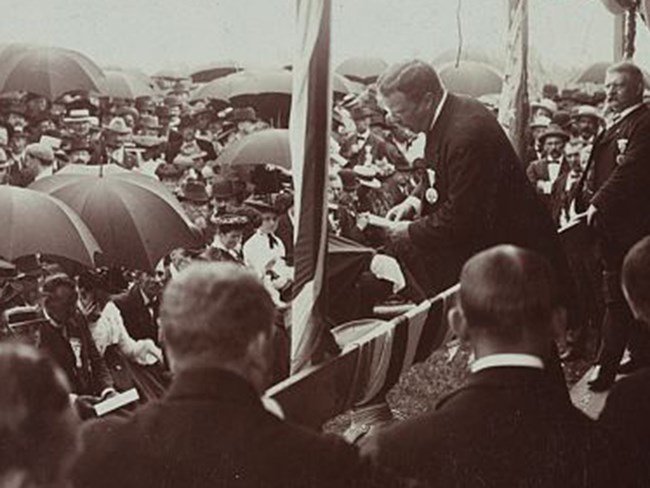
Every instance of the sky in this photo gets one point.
(155, 34)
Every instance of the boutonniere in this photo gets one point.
(622, 145)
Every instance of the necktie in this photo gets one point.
(273, 241)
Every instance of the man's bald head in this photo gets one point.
(508, 292)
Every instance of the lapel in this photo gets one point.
(437, 136)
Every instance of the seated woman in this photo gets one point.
(38, 429)
(125, 357)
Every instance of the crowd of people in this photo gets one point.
(426, 179)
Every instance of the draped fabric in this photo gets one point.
(309, 138)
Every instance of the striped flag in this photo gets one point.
(513, 107)
(309, 129)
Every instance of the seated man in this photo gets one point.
(212, 429)
(627, 411)
(510, 425)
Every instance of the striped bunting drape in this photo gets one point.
(309, 128)
(367, 367)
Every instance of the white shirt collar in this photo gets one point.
(439, 108)
(507, 360)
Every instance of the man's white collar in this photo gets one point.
(507, 360)
(439, 108)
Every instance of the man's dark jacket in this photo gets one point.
(212, 431)
(483, 195)
(90, 375)
(508, 427)
(139, 319)
(617, 182)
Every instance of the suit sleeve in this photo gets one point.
(630, 178)
(472, 177)
(101, 376)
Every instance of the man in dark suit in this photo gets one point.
(627, 411)
(139, 307)
(212, 429)
(476, 194)
(363, 146)
(66, 338)
(509, 425)
(615, 193)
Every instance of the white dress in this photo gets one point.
(109, 330)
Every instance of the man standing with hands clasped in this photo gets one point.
(476, 194)
(614, 194)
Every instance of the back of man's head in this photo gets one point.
(636, 279)
(508, 297)
(211, 313)
(413, 78)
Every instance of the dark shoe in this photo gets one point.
(602, 383)
(630, 366)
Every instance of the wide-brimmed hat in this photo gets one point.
(244, 114)
(367, 176)
(588, 111)
(118, 125)
(540, 121)
(228, 222)
(554, 130)
(21, 320)
(261, 205)
(349, 179)
(546, 103)
(78, 115)
(193, 190)
(222, 188)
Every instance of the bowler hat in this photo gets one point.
(244, 114)
(222, 188)
(193, 190)
(123, 111)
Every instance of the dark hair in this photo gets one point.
(413, 78)
(214, 309)
(506, 289)
(636, 273)
(36, 434)
(631, 70)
